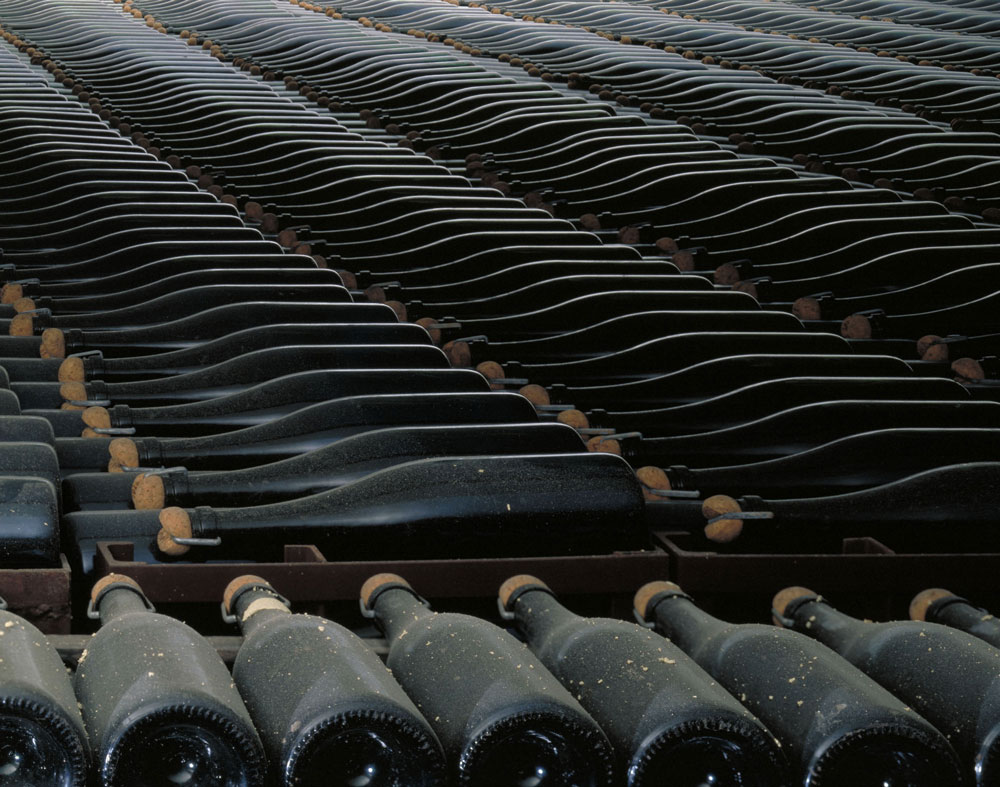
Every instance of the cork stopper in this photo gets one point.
(173, 522)
(724, 530)
(785, 597)
(73, 391)
(111, 579)
(426, 323)
(22, 325)
(807, 309)
(233, 589)
(53, 343)
(24, 305)
(727, 273)
(968, 370)
(857, 326)
(932, 348)
(374, 583)
(252, 210)
(11, 293)
(652, 478)
(97, 418)
(575, 418)
(71, 371)
(124, 452)
(459, 354)
(490, 370)
(649, 591)
(148, 493)
(399, 308)
(512, 587)
(535, 394)
(600, 444)
(923, 600)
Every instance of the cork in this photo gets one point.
(514, 584)
(173, 522)
(124, 451)
(253, 211)
(97, 418)
(535, 394)
(749, 287)
(459, 354)
(148, 493)
(111, 579)
(968, 370)
(857, 326)
(923, 600)
(349, 279)
(236, 586)
(400, 310)
(589, 221)
(684, 260)
(24, 304)
(53, 344)
(932, 348)
(491, 370)
(807, 309)
(652, 478)
(434, 333)
(73, 392)
(375, 582)
(11, 293)
(603, 445)
(71, 371)
(575, 418)
(648, 592)
(725, 530)
(727, 273)
(785, 597)
(22, 325)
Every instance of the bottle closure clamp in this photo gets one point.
(92, 612)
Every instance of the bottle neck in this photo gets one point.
(257, 606)
(118, 601)
(818, 619)
(396, 608)
(679, 618)
(538, 614)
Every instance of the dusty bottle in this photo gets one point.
(502, 718)
(948, 676)
(937, 605)
(159, 704)
(668, 720)
(326, 707)
(838, 726)
(42, 737)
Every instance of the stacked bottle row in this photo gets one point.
(191, 413)
(244, 355)
(767, 112)
(893, 279)
(821, 699)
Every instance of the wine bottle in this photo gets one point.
(231, 345)
(948, 676)
(937, 605)
(858, 461)
(501, 717)
(338, 464)
(837, 725)
(204, 326)
(327, 709)
(539, 504)
(175, 306)
(159, 704)
(268, 401)
(235, 374)
(30, 535)
(668, 721)
(319, 424)
(42, 738)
